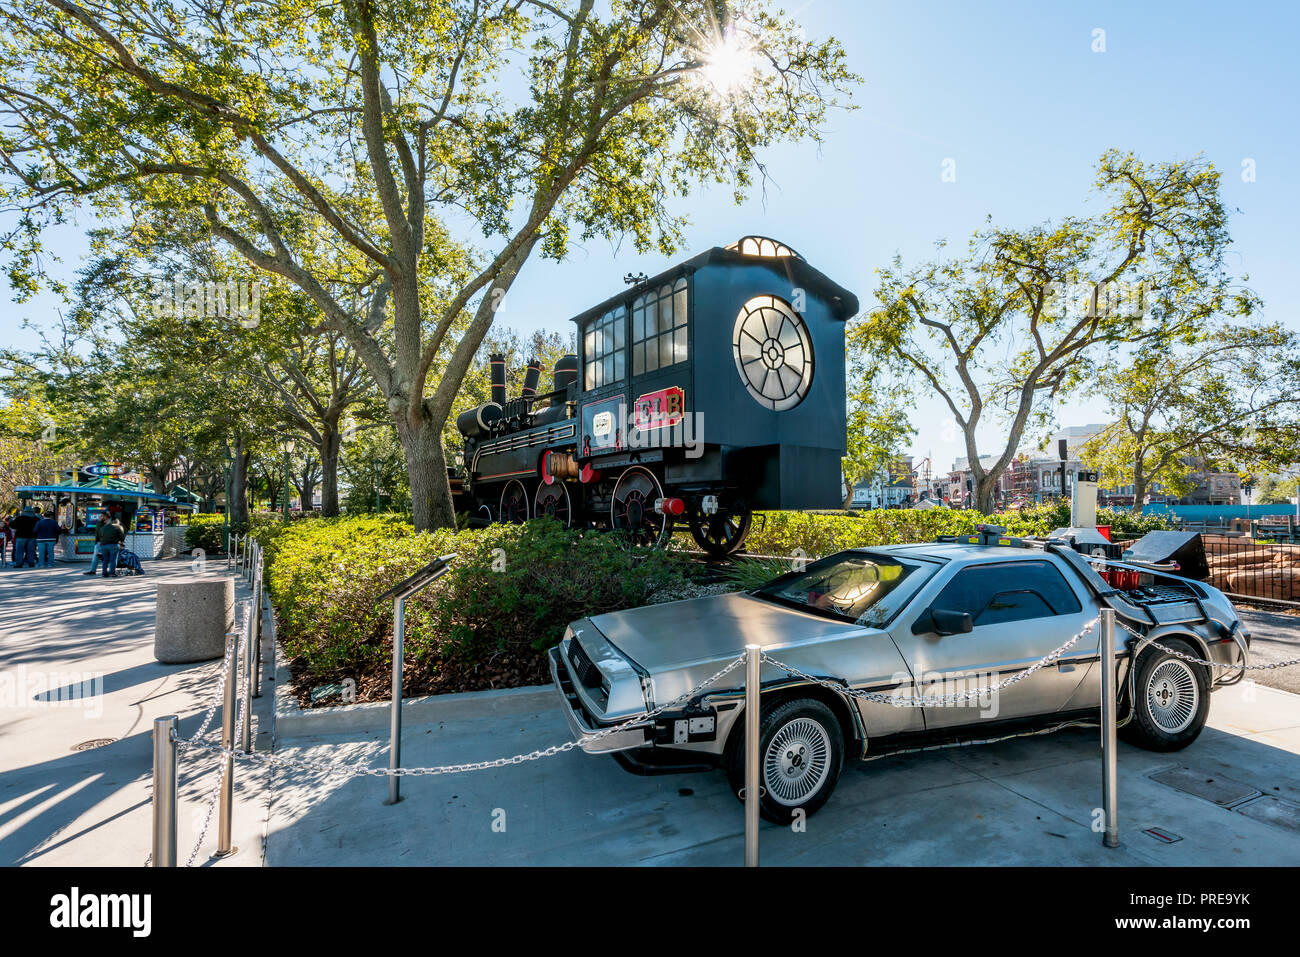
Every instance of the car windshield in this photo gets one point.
(866, 588)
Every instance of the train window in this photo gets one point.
(604, 348)
(659, 324)
(773, 353)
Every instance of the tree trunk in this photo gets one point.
(329, 465)
(237, 507)
(1139, 491)
(848, 496)
(426, 465)
(984, 488)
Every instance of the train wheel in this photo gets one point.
(722, 533)
(633, 510)
(514, 502)
(553, 500)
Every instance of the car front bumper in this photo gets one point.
(583, 724)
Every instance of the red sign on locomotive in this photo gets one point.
(656, 410)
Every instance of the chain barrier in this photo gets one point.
(195, 743)
(1212, 664)
(347, 770)
(921, 701)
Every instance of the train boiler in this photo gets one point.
(713, 389)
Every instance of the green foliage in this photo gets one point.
(1274, 492)
(1229, 400)
(335, 145)
(815, 535)
(206, 531)
(510, 586)
(1026, 316)
(750, 573)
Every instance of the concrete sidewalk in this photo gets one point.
(1020, 802)
(59, 805)
(1026, 801)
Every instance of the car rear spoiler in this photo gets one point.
(1111, 596)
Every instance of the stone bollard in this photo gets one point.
(192, 620)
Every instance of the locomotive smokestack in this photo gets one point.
(498, 363)
(531, 377)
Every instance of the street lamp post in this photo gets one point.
(374, 465)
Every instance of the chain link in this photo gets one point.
(1212, 664)
(921, 701)
(195, 743)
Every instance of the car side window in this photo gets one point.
(1008, 591)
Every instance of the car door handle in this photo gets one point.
(1064, 666)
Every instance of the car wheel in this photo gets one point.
(1173, 700)
(801, 750)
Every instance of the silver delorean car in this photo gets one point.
(903, 620)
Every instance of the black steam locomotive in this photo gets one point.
(708, 391)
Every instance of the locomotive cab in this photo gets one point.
(712, 389)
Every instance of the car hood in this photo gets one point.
(682, 633)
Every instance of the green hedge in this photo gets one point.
(817, 534)
(205, 531)
(511, 587)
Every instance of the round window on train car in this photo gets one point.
(773, 353)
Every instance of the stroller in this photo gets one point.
(128, 563)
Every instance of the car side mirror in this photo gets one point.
(942, 621)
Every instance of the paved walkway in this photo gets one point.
(1026, 801)
(59, 805)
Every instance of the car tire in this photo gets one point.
(1173, 700)
(802, 778)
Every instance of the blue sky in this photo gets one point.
(1014, 94)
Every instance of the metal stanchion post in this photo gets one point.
(246, 726)
(227, 800)
(256, 645)
(395, 721)
(164, 791)
(751, 754)
(1109, 768)
(399, 593)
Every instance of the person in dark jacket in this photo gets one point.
(46, 533)
(110, 538)
(25, 539)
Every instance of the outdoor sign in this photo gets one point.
(656, 410)
(105, 469)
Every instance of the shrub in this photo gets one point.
(817, 534)
(510, 588)
(206, 531)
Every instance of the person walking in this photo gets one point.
(6, 538)
(46, 534)
(25, 539)
(111, 544)
(98, 554)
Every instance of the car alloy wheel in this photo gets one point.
(797, 761)
(1172, 696)
(800, 753)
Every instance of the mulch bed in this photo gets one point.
(511, 668)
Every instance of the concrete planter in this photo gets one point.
(192, 620)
